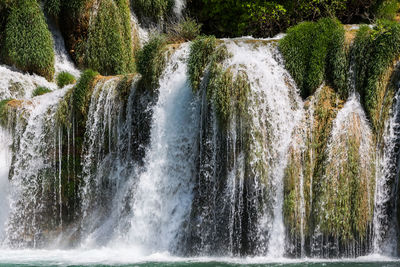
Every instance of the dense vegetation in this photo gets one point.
(153, 10)
(375, 52)
(65, 78)
(315, 52)
(150, 62)
(267, 18)
(26, 41)
(97, 34)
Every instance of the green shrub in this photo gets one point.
(312, 53)
(52, 7)
(375, 50)
(388, 9)
(82, 90)
(65, 78)
(109, 46)
(201, 51)
(41, 90)
(183, 31)
(156, 10)
(28, 43)
(150, 62)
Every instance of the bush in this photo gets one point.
(41, 90)
(82, 90)
(184, 31)
(388, 9)
(150, 62)
(314, 52)
(52, 7)
(201, 51)
(156, 10)
(65, 78)
(109, 45)
(375, 50)
(262, 18)
(28, 44)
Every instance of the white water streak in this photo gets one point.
(164, 193)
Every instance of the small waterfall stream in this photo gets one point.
(385, 221)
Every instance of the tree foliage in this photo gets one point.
(266, 18)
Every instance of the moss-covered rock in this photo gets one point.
(27, 41)
(345, 208)
(201, 51)
(153, 10)
(315, 52)
(150, 62)
(306, 165)
(99, 35)
(376, 52)
(65, 78)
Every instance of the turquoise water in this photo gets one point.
(217, 264)
(128, 256)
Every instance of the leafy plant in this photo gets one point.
(81, 92)
(28, 43)
(41, 90)
(109, 46)
(183, 31)
(155, 10)
(150, 62)
(201, 51)
(314, 52)
(65, 78)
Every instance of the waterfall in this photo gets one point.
(5, 164)
(163, 196)
(349, 176)
(239, 193)
(63, 61)
(275, 109)
(33, 175)
(385, 211)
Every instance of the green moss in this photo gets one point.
(109, 45)
(65, 78)
(41, 90)
(28, 43)
(183, 31)
(201, 51)
(4, 111)
(312, 52)
(156, 10)
(309, 163)
(82, 90)
(375, 52)
(150, 62)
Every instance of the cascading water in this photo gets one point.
(163, 196)
(33, 174)
(349, 175)
(385, 211)
(249, 200)
(5, 163)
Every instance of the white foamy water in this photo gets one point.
(384, 238)
(63, 62)
(163, 196)
(276, 109)
(5, 164)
